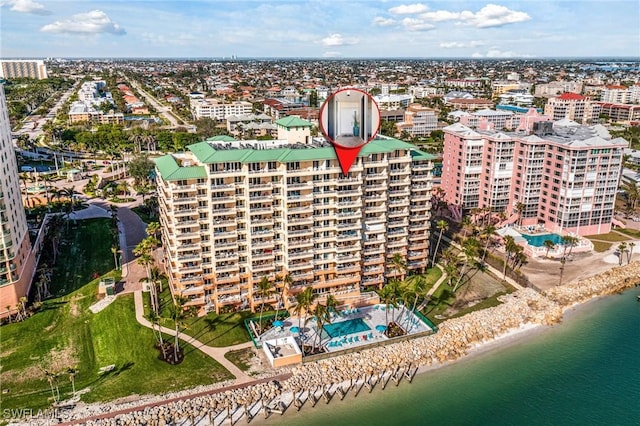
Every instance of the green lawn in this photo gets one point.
(87, 243)
(630, 232)
(212, 330)
(613, 237)
(64, 333)
(241, 358)
(600, 246)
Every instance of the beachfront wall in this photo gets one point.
(273, 348)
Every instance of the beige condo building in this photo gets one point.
(231, 216)
(16, 258)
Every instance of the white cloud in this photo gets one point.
(338, 40)
(26, 6)
(93, 22)
(383, 22)
(491, 15)
(331, 54)
(409, 9)
(440, 15)
(496, 53)
(460, 44)
(412, 24)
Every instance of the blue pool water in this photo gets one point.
(538, 240)
(343, 328)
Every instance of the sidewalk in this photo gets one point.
(215, 353)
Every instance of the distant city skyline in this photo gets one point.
(319, 29)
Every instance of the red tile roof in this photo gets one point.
(568, 96)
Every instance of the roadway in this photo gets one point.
(35, 132)
(162, 110)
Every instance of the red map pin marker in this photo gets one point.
(349, 119)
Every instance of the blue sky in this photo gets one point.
(319, 28)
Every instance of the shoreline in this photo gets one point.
(521, 314)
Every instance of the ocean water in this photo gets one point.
(585, 371)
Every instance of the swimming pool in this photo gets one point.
(344, 328)
(538, 240)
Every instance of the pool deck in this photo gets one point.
(374, 317)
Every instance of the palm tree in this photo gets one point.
(179, 315)
(442, 226)
(322, 317)
(470, 251)
(304, 300)
(265, 289)
(549, 245)
(145, 258)
(52, 378)
(569, 241)
(154, 319)
(417, 285)
(520, 208)
(488, 232)
(72, 371)
(622, 248)
(285, 281)
(510, 248)
(114, 251)
(465, 224)
(399, 264)
(630, 251)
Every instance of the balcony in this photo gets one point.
(230, 267)
(347, 258)
(186, 236)
(349, 225)
(184, 212)
(186, 224)
(306, 231)
(223, 187)
(184, 247)
(296, 255)
(373, 260)
(399, 201)
(300, 220)
(262, 243)
(379, 249)
(300, 185)
(190, 279)
(374, 176)
(397, 213)
(298, 266)
(226, 278)
(300, 243)
(189, 291)
(262, 267)
(185, 200)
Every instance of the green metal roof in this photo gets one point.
(293, 121)
(206, 153)
(169, 169)
(417, 155)
(220, 138)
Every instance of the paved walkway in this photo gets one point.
(132, 231)
(215, 353)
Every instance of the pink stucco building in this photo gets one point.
(565, 175)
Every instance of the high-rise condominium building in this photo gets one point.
(231, 215)
(573, 107)
(564, 176)
(16, 261)
(19, 68)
